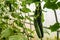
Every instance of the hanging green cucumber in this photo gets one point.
(38, 21)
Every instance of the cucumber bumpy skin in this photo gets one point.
(38, 21)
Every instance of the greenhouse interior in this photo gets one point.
(29, 19)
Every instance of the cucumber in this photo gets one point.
(37, 29)
(38, 21)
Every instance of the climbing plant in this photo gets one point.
(54, 5)
(12, 25)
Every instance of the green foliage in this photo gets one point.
(17, 15)
(18, 37)
(9, 16)
(20, 24)
(25, 10)
(11, 21)
(6, 33)
(55, 27)
(51, 5)
(29, 1)
(58, 4)
(6, 17)
(12, 4)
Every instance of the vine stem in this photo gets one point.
(41, 39)
(57, 35)
(56, 22)
(56, 16)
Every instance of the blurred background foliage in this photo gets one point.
(12, 17)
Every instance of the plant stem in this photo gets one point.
(56, 22)
(41, 38)
(56, 16)
(57, 35)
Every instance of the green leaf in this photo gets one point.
(17, 15)
(6, 33)
(19, 23)
(54, 27)
(26, 10)
(50, 5)
(18, 37)
(23, 3)
(58, 4)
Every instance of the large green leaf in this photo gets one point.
(15, 15)
(18, 37)
(6, 33)
(54, 27)
(51, 5)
